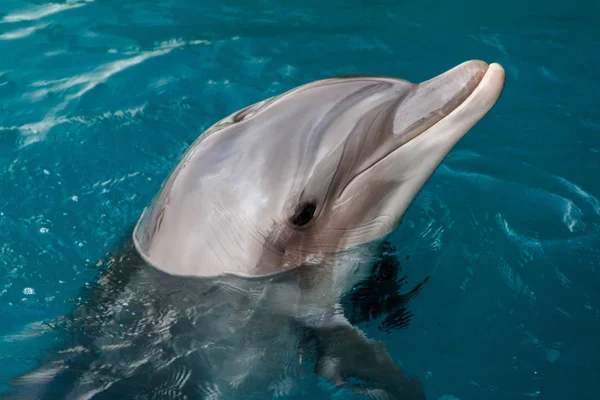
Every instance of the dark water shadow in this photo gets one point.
(141, 333)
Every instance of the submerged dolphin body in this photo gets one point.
(232, 284)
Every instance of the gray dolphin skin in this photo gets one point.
(351, 152)
(232, 283)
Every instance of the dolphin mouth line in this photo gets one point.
(486, 79)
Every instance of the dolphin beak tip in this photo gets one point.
(494, 78)
(497, 71)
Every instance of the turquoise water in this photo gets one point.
(98, 99)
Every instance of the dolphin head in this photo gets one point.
(322, 168)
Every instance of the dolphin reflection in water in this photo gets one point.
(234, 281)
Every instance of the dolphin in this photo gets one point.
(231, 283)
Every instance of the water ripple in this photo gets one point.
(77, 86)
(43, 11)
(22, 33)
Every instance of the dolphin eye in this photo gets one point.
(304, 214)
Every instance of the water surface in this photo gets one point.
(98, 99)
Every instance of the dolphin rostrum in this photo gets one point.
(233, 280)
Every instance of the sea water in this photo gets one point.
(98, 99)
